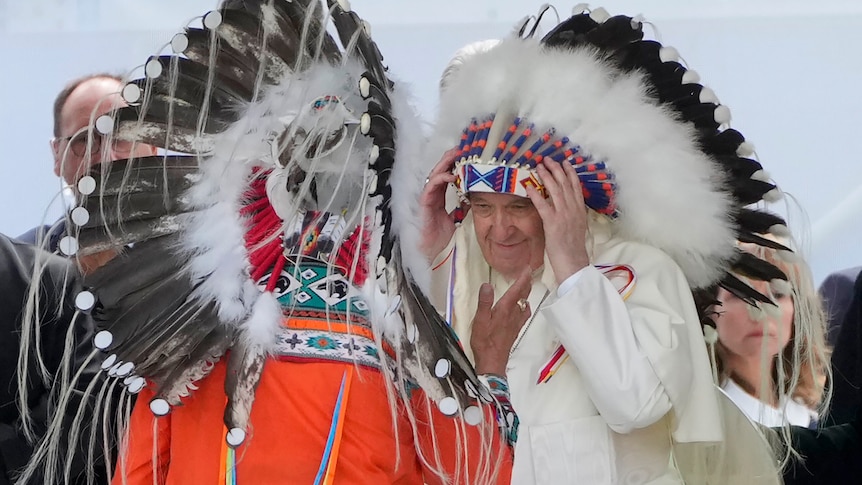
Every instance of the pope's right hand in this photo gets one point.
(438, 226)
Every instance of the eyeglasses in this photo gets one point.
(78, 143)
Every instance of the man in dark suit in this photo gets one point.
(76, 148)
(831, 455)
(847, 363)
(837, 293)
(57, 289)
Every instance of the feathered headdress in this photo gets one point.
(282, 147)
(652, 146)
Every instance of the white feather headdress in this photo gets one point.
(679, 180)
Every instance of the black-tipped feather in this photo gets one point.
(750, 191)
(620, 39)
(757, 221)
(750, 266)
(183, 118)
(747, 237)
(739, 168)
(742, 291)
(724, 143)
(702, 115)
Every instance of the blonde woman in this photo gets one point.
(772, 359)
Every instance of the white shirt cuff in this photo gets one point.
(569, 283)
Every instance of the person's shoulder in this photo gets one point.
(842, 277)
(34, 234)
(18, 260)
(15, 255)
(39, 234)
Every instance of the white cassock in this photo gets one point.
(637, 382)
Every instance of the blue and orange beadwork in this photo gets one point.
(511, 169)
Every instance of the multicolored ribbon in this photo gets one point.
(326, 472)
(227, 469)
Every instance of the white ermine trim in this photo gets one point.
(388, 325)
(263, 324)
(407, 180)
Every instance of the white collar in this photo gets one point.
(793, 413)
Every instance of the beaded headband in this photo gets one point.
(517, 150)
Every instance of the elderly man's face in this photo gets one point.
(509, 231)
(85, 104)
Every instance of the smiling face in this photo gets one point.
(743, 330)
(509, 231)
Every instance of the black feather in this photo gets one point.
(377, 93)
(750, 266)
(639, 55)
(682, 96)
(738, 168)
(747, 237)
(750, 191)
(702, 115)
(571, 32)
(723, 143)
(757, 221)
(615, 33)
(149, 310)
(742, 291)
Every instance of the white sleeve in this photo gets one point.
(569, 283)
(633, 362)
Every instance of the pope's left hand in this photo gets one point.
(564, 216)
